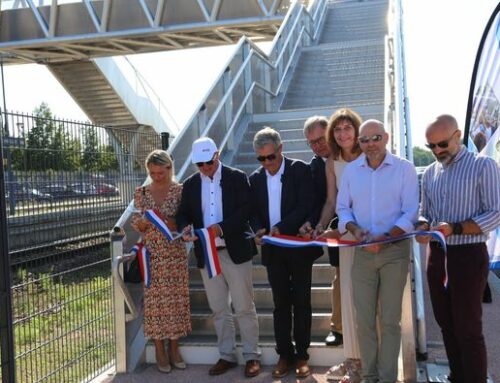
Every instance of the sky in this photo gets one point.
(442, 37)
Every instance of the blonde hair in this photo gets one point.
(160, 158)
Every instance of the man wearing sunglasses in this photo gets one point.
(217, 197)
(378, 199)
(282, 196)
(461, 199)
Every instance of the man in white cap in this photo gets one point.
(218, 197)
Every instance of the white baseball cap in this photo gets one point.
(203, 150)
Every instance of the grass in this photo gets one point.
(63, 323)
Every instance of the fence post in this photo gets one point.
(165, 137)
(116, 238)
(6, 327)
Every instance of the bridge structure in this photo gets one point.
(324, 54)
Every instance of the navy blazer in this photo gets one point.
(297, 202)
(318, 166)
(235, 212)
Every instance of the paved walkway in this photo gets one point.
(199, 373)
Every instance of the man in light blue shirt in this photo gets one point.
(378, 198)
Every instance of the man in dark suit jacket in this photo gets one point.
(315, 134)
(217, 197)
(282, 198)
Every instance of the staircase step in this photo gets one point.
(321, 273)
(320, 297)
(202, 322)
(197, 349)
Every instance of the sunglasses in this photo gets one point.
(270, 157)
(442, 144)
(374, 138)
(200, 164)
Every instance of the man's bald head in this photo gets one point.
(443, 138)
(443, 123)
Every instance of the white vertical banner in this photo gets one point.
(483, 114)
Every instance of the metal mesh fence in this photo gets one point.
(66, 185)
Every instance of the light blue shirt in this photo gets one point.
(378, 199)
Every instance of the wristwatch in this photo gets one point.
(457, 228)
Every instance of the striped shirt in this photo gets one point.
(467, 188)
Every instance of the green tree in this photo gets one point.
(422, 157)
(91, 154)
(48, 146)
(108, 160)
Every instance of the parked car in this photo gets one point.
(59, 191)
(83, 189)
(28, 194)
(103, 189)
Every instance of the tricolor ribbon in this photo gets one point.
(143, 257)
(295, 242)
(155, 217)
(207, 241)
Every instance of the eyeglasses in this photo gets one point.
(318, 141)
(200, 164)
(269, 157)
(374, 138)
(442, 144)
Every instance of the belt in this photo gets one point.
(220, 247)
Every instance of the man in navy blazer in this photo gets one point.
(218, 197)
(282, 198)
(315, 134)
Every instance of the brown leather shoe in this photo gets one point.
(302, 369)
(252, 368)
(281, 368)
(221, 367)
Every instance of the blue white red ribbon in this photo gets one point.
(143, 257)
(207, 241)
(155, 217)
(292, 241)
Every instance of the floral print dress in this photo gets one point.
(166, 302)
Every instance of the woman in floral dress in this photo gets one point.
(166, 301)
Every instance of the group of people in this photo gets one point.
(353, 188)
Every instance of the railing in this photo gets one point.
(396, 99)
(66, 183)
(399, 125)
(139, 97)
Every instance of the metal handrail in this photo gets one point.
(134, 309)
(151, 93)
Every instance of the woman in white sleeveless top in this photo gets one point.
(342, 137)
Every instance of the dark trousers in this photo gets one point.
(457, 308)
(290, 278)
